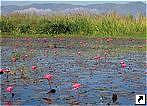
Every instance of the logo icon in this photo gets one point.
(140, 99)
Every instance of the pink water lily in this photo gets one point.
(1, 70)
(81, 42)
(76, 86)
(97, 57)
(9, 89)
(34, 67)
(48, 77)
(121, 62)
(109, 39)
(8, 103)
(79, 53)
(5, 70)
(26, 56)
(123, 65)
(141, 46)
(45, 50)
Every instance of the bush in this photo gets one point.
(6, 26)
(24, 28)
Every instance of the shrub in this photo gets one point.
(6, 26)
(24, 28)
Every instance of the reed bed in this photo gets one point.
(108, 25)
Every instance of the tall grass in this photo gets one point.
(99, 25)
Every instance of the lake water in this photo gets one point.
(69, 61)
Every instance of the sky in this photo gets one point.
(74, 2)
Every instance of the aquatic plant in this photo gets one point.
(76, 86)
(48, 77)
(10, 89)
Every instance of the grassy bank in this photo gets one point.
(107, 25)
(134, 36)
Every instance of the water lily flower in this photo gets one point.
(121, 62)
(76, 86)
(97, 57)
(9, 89)
(123, 65)
(79, 53)
(34, 67)
(48, 76)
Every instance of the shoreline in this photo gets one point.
(135, 36)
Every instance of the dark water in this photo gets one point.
(69, 61)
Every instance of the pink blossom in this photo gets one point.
(9, 89)
(97, 57)
(48, 76)
(76, 86)
(4, 70)
(34, 67)
(123, 65)
(121, 62)
(79, 53)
